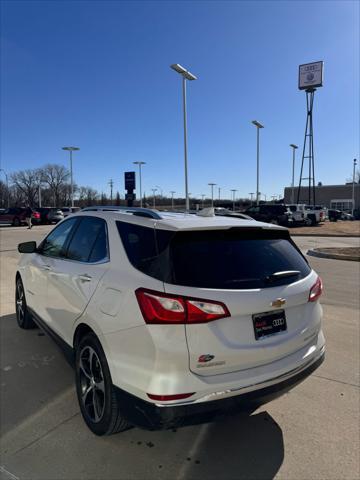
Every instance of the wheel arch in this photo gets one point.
(81, 330)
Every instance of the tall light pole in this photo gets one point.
(219, 190)
(172, 199)
(233, 192)
(212, 185)
(202, 200)
(294, 147)
(71, 149)
(111, 183)
(140, 163)
(258, 126)
(353, 189)
(7, 186)
(251, 197)
(154, 190)
(186, 75)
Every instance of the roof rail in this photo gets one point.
(141, 212)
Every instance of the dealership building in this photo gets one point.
(337, 197)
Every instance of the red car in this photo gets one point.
(17, 216)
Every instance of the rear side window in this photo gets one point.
(234, 259)
(89, 242)
(145, 248)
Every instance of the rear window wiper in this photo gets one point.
(280, 275)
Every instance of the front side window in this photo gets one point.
(54, 243)
(89, 242)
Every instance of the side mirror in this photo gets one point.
(27, 247)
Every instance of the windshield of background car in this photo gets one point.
(237, 258)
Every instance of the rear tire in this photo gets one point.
(97, 399)
(16, 222)
(23, 316)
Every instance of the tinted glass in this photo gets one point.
(233, 259)
(53, 245)
(88, 241)
(146, 250)
(100, 248)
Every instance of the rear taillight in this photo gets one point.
(36, 215)
(158, 307)
(316, 290)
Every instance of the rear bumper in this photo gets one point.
(153, 417)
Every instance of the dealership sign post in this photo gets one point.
(129, 178)
(311, 75)
(310, 78)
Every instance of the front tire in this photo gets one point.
(97, 399)
(23, 316)
(16, 222)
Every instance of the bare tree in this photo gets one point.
(56, 177)
(27, 182)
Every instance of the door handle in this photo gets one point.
(46, 267)
(85, 277)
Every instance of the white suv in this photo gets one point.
(172, 318)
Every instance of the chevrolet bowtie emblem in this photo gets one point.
(279, 302)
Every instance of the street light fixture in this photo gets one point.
(251, 197)
(140, 163)
(186, 75)
(233, 192)
(294, 147)
(258, 126)
(71, 149)
(212, 185)
(353, 189)
(7, 186)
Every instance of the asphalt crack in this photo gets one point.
(337, 381)
(45, 434)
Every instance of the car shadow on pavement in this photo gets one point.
(240, 447)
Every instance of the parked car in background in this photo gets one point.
(16, 216)
(311, 215)
(297, 215)
(50, 215)
(172, 318)
(278, 214)
(69, 210)
(334, 215)
(346, 216)
(224, 212)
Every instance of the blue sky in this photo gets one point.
(96, 74)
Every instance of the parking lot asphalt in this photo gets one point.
(310, 433)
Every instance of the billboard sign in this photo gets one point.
(129, 180)
(311, 75)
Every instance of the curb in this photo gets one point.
(334, 256)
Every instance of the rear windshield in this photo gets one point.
(222, 259)
(236, 259)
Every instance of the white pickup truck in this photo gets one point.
(310, 215)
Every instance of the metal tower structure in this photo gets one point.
(308, 159)
(310, 77)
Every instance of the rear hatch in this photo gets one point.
(251, 271)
